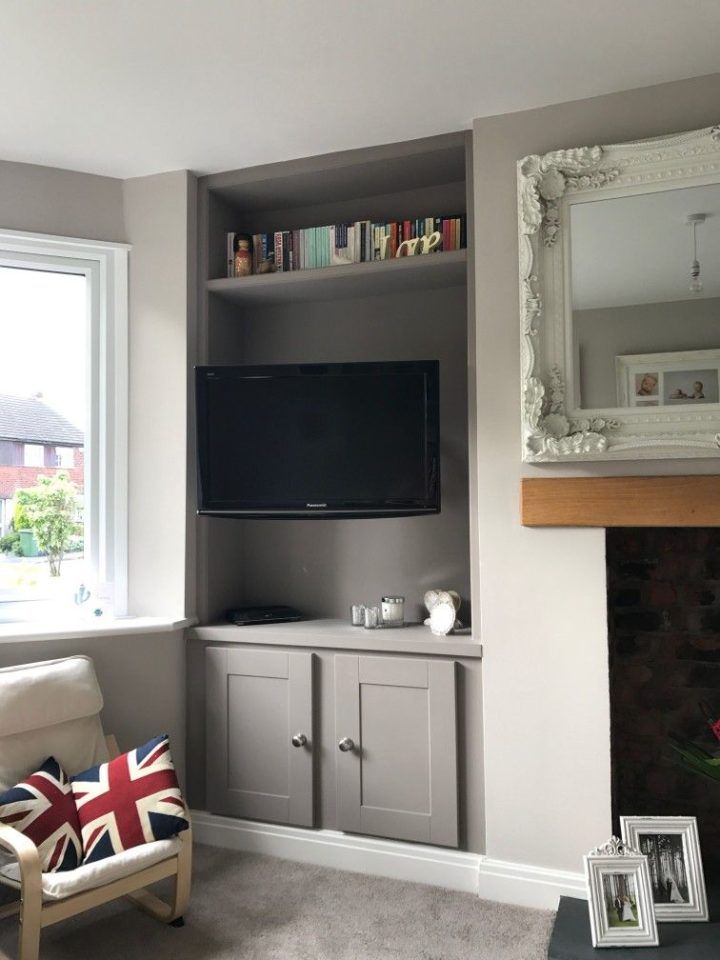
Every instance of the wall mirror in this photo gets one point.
(620, 300)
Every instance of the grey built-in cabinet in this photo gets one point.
(260, 734)
(396, 726)
(394, 746)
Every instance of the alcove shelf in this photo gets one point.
(374, 278)
(340, 635)
(418, 307)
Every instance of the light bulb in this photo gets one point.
(695, 281)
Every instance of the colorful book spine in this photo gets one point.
(360, 241)
(230, 257)
(277, 240)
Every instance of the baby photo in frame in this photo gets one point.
(672, 847)
(686, 379)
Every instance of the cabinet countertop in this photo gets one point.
(339, 635)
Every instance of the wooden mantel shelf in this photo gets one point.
(621, 502)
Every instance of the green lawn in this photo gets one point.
(613, 921)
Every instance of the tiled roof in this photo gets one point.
(29, 420)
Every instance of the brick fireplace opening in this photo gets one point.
(664, 631)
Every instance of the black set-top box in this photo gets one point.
(244, 616)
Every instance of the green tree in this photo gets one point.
(20, 520)
(51, 509)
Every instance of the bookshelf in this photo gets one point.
(372, 278)
(416, 307)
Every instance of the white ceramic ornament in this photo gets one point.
(442, 606)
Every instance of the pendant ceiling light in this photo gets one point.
(695, 282)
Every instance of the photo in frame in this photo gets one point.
(687, 379)
(672, 847)
(620, 897)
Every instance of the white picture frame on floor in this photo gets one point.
(620, 897)
(672, 846)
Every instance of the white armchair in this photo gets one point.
(52, 709)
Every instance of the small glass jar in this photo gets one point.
(357, 613)
(393, 611)
(373, 620)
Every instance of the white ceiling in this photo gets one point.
(639, 249)
(131, 87)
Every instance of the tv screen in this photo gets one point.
(333, 440)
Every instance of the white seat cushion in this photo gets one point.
(58, 886)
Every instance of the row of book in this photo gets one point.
(344, 243)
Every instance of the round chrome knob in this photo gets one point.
(299, 740)
(346, 745)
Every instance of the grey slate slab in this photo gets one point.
(570, 938)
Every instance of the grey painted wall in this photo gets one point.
(322, 566)
(605, 333)
(156, 213)
(142, 679)
(543, 619)
(61, 202)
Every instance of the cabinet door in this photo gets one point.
(395, 721)
(257, 702)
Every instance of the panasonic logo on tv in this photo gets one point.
(317, 505)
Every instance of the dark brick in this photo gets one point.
(696, 649)
(661, 594)
(626, 647)
(630, 597)
(641, 620)
(640, 570)
(710, 620)
(705, 675)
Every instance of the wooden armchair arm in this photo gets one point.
(27, 855)
(30, 904)
(22, 847)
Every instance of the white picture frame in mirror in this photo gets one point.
(555, 427)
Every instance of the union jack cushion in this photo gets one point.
(131, 800)
(42, 807)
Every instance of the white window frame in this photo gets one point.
(27, 459)
(60, 452)
(105, 266)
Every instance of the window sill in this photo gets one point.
(69, 630)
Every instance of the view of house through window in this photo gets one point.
(43, 400)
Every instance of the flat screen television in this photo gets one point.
(319, 440)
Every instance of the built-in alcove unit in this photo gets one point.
(413, 308)
(413, 697)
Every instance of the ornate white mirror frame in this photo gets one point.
(554, 429)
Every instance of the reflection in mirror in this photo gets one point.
(645, 276)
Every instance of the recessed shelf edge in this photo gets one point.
(354, 280)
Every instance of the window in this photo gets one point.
(33, 453)
(65, 457)
(63, 416)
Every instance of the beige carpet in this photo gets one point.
(258, 908)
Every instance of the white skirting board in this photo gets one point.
(470, 872)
